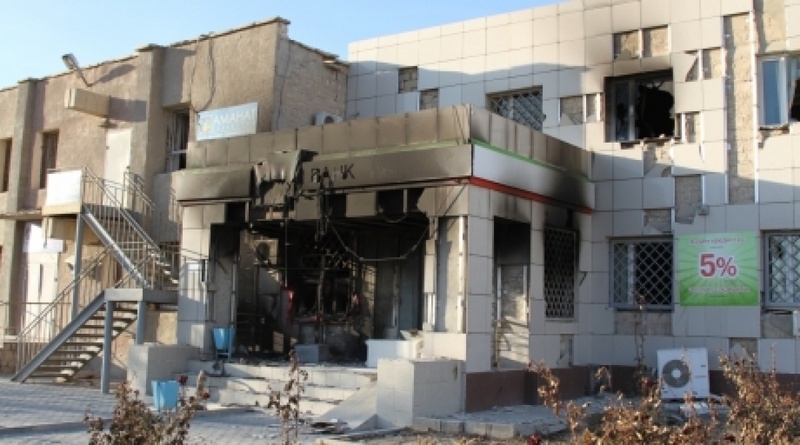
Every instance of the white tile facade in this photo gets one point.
(567, 50)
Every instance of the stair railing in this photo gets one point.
(121, 209)
(58, 313)
(124, 211)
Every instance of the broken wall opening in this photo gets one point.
(512, 242)
(335, 282)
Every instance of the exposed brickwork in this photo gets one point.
(429, 99)
(688, 198)
(309, 86)
(407, 79)
(571, 110)
(655, 41)
(659, 219)
(739, 112)
(654, 153)
(713, 66)
(627, 43)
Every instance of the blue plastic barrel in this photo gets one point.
(223, 340)
(165, 394)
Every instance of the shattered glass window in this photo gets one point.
(524, 107)
(641, 107)
(641, 273)
(560, 264)
(783, 270)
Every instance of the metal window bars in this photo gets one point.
(641, 273)
(524, 107)
(560, 264)
(783, 270)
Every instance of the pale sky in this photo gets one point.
(36, 33)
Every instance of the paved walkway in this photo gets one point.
(53, 414)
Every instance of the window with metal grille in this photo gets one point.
(524, 107)
(641, 273)
(560, 260)
(783, 269)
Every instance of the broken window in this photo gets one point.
(523, 107)
(407, 80)
(429, 99)
(783, 269)
(49, 151)
(560, 263)
(641, 273)
(640, 107)
(177, 140)
(780, 90)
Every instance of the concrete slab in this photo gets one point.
(358, 411)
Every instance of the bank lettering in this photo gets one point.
(341, 172)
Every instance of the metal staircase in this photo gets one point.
(75, 327)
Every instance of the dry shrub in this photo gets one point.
(286, 402)
(761, 412)
(133, 422)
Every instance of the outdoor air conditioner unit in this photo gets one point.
(683, 370)
(323, 117)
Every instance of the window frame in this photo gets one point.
(509, 95)
(178, 145)
(633, 82)
(49, 155)
(794, 261)
(632, 282)
(788, 73)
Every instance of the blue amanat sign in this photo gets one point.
(227, 122)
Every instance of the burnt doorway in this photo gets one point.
(337, 281)
(511, 294)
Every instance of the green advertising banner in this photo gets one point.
(718, 269)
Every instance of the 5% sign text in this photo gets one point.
(712, 265)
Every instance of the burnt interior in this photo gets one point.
(335, 280)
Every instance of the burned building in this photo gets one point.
(585, 183)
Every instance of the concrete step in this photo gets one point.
(308, 407)
(214, 385)
(319, 375)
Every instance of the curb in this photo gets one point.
(69, 426)
(45, 428)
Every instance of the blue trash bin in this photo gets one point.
(165, 394)
(223, 341)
